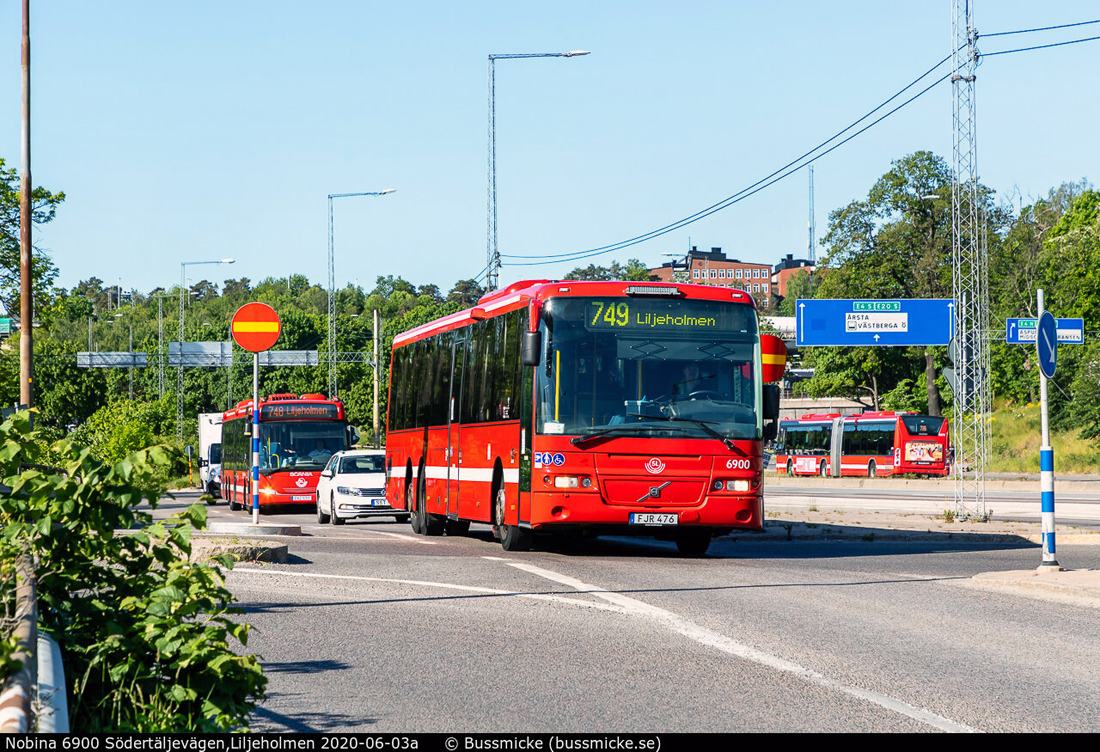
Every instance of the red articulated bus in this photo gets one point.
(867, 445)
(298, 436)
(588, 408)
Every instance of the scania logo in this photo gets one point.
(301, 482)
(655, 466)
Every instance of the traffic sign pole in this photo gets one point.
(1047, 356)
(255, 438)
(256, 327)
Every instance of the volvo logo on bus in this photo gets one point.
(655, 466)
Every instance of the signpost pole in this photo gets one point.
(255, 438)
(1046, 452)
(255, 327)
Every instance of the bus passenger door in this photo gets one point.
(459, 352)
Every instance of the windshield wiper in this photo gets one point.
(578, 440)
(704, 424)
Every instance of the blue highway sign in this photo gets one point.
(884, 323)
(1024, 331)
(1046, 342)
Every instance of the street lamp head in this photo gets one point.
(388, 190)
(229, 261)
(931, 196)
(577, 53)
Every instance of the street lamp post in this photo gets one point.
(332, 287)
(179, 368)
(130, 352)
(492, 253)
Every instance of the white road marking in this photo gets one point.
(732, 647)
(444, 585)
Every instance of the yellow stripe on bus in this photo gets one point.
(771, 360)
(256, 326)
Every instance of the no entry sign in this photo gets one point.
(256, 327)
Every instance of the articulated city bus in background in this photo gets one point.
(298, 436)
(587, 408)
(868, 445)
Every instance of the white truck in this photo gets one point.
(210, 453)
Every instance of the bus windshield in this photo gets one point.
(652, 366)
(804, 439)
(299, 445)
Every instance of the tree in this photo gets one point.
(800, 286)
(465, 293)
(43, 272)
(897, 243)
(634, 270)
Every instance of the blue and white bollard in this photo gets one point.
(1046, 486)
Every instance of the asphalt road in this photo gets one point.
(370, 628)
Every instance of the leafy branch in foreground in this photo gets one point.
(145, 632)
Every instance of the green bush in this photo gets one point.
(123, 427)
(145, 633)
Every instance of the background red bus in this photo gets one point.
(298, 436)
(870, 444)
(584, 407)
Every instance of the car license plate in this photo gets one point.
(301, 498)
(379, 503)
(649, 518)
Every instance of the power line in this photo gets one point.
(1044, 28)
(1040, 47)
(767, 182)
(798, 163)
(744, 192)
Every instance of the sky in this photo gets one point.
(197, 131)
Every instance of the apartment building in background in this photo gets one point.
(713, 268)
(766, 283)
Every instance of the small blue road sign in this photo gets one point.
(1024, 331)
(885, 323)
(1046, 342)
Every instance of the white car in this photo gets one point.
(352, 485)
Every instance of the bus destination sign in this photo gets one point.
(650, 315)
(299, 411)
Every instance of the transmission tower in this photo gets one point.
(812, 227)
(970, 285)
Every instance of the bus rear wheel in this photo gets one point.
(790, 468)
(512, 537)
(872, 471)
(823, 470)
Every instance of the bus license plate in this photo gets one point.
(301, 498)
(649, 518)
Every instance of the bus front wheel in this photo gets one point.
(790, 468)
(693, 543)
(872, 471)
(823, 470)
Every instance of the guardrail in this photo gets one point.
(16, 701)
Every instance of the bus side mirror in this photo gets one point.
(247, 429)
(771, 401)
(353, 435)
(531, 348)
(771, 411)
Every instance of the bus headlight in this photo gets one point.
(571, 481)
(737, 485)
